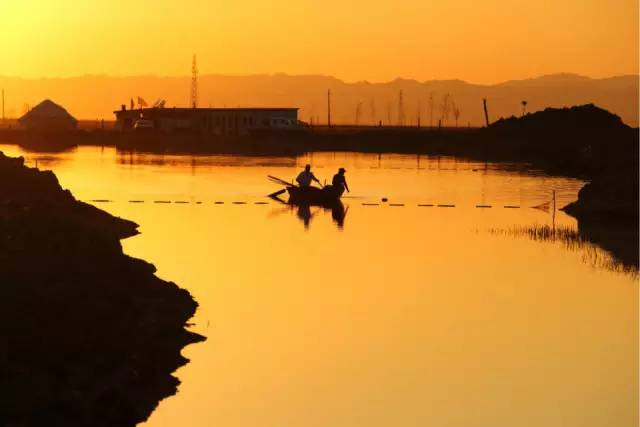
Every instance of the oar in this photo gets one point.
(279, 180)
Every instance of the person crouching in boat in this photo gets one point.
(306, 176)
(339, 183)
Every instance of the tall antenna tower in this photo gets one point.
(3, 120)
(400, 109)
(194, 83)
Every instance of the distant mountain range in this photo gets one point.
(96, 97)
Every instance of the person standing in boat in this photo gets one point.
(306, 176)
(339, 182)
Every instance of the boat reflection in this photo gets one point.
(307, 211)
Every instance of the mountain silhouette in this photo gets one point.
(96, 97)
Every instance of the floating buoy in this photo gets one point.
(384, 199)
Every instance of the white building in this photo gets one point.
(215, 121)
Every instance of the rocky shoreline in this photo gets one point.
(90, 335)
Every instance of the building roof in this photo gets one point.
(47, 109)
(233, 109)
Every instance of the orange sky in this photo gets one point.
(479, 41)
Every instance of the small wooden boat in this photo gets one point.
(326, 196)
(313, 195)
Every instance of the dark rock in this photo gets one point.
(90, 336)
(611, 196)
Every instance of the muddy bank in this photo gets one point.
(607, 214)
(593, 144)
(90, 335)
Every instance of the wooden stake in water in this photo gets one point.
(553, 216)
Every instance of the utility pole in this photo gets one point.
(486, 113)
(400, 109)
(194, 83)
(329, 108)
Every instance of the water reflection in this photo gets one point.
(135, 158)
(618, 253)
(305, 212)
(414, 305)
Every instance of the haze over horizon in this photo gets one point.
(96, 97)
(92, 57)
(554, 75)
(484, 43)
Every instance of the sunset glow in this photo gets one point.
(482, 42)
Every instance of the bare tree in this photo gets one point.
(400, 108)
(358, 112)
(456, 112)
(445, 108)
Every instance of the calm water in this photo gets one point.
(401, 316)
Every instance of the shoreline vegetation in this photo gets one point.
(621, 259)
(90, 335)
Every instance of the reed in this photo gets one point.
(571, 240)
